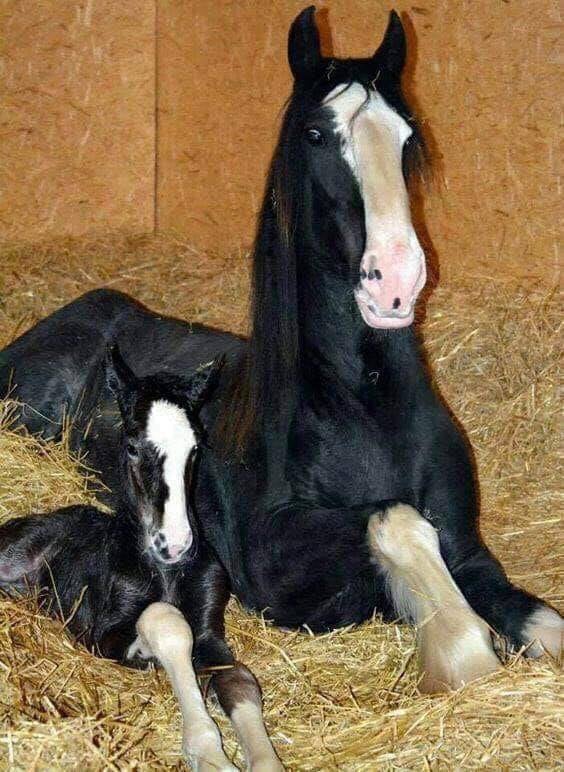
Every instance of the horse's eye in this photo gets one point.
(132, 451)
(314, 136)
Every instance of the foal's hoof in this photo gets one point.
(216, 762)
(204, 753)
(271, 764)
(544, 631)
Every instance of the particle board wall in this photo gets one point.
(77, 141)
(80, 81)
(485, 77)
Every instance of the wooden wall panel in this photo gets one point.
(77, 120)
(485, 75)
(77, 95)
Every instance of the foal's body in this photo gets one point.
(125, 605)
(142, 583)
(340, 425)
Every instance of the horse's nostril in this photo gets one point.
(377, 274)
(396, 303)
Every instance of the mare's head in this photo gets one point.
(161, 433)
(335, 245)
(349, 137)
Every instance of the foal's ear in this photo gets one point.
(393, 48)
(120, 377)
(304, 48)
(203, 382)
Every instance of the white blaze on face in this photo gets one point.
(392, 268)
(169, 430)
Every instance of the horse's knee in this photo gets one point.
(164, 630)
(236, 685)
(398, 533)
(401, 541)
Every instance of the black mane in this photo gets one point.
(265, 386)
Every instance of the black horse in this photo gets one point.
(337, 483)
(142, 584)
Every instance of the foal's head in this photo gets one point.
(161, 432)
(349, 138)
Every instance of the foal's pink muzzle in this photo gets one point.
(391, 278)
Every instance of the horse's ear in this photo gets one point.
(393, 48)
(119, 376)
(304, 48)
(203, 382)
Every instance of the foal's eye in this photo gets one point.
(132, 451)
(314, 136)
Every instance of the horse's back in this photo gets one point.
(48, 368)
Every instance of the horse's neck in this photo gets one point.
(334, 338)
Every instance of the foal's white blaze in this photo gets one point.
(393, 263)
(169, 430)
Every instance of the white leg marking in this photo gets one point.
(545, 628)
(163, 631)
(454, 642)
(259, 753)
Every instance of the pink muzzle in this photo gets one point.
(390, 280)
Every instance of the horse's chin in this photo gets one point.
(372, 319)
(185, 557)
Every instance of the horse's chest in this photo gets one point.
(348, 463)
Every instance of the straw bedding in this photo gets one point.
(346, 700)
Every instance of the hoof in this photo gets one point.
(450, 659)
(203, 750)
(544, 632)
(212, 762)
(266, 765)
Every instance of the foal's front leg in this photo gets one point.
(240, 697)
(163, 632)
(235, 686)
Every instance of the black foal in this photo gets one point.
(142, 584)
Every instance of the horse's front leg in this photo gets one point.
(454, 643)
(240, 697)
(343, 564)
(162, 632)
(236, 688)
(523, 620)
(450, 505)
